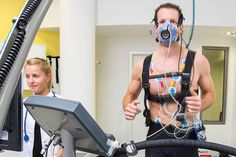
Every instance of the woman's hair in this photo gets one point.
(44, 66)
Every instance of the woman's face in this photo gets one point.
(36, 79)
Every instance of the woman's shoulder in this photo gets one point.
(59, 96)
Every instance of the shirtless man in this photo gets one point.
(168, 107)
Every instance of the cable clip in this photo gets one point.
(131, 149)
(113, 143)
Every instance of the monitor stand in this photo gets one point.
(68, 142)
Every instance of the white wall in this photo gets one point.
(113, 75)
(132, 12)
(232, 94)
(51, 20)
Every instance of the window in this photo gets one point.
(218, 59)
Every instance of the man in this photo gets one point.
(170, 77)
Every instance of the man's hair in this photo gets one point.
(172, 6)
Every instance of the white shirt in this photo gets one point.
(28, 145)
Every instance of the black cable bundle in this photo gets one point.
(21, 27)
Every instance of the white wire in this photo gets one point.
(163, 127)
(166, 110)
(171, 115)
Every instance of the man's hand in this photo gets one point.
(194, 102)
(132, 110)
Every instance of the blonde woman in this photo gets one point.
(38, 77)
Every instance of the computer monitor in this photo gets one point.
(11, 136)
(54, 114)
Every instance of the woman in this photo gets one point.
(39, 79)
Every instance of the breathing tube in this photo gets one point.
(20, 32)
(193, 24)
(132, 148)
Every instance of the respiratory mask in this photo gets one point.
(168, 32)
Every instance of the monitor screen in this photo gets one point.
(54, 114)
(11, 135)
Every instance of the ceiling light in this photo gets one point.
(231, 33)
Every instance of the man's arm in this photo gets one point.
(206, 84)
(198, 103)
(129, 101)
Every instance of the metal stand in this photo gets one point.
(68, 143)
